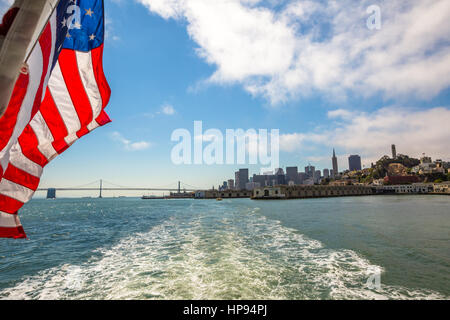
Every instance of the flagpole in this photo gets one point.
(42, 30)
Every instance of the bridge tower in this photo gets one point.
(179, 189)
(51, 193)
(101, 186)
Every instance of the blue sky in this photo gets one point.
(309, 68)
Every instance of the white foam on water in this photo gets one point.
(229, 256)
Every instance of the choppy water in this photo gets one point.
(233, 249)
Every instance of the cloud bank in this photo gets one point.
(371, 134)
(295, 48)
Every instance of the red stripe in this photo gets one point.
(103, 118)
(97, 63)
(21, 177)
(69, 69)
(9, 205)
(9, 118)
(54, 121)
(45, 42)
(29, 144)
(14, 233)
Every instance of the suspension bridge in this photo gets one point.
(103, 185)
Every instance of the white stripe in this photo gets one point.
(18, 160)
(15, 191)
(63, 101)
(35, 72)
(43, 135)
(52, 23)
(9, 220)
(93, 125)
(84, 60)
(71, 138)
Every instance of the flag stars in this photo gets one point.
(64, 22)
(89, 12)
(92, 37)
(77, 25)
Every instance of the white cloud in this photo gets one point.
(307, 46)
(109, 30)
(168, 109)
(129, 145)
(370, 134)
(339, 113)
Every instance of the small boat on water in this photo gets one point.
(219, 199)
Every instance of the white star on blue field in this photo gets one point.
(311, 69)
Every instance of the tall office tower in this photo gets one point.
(241, 178)
(331, 173)
(225, 185)
(309, 170)
(326, 173)
(230, 184)
(292, 175)
(394, 152)
(316, 176)
(302, 177)
(280, 178)
(335, 165)
(354, 163)
(236, 180)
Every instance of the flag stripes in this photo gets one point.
(55, 111)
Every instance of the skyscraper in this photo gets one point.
(292, 175)
(309, 170)
(354, 163)
(335, 164)
(301, 177)
(241, 178)
(326, 173)
(316, 176)
(394, 152)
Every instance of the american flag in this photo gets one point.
(59, 96)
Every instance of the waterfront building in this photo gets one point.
(354, 162)
(214, 194)
(292, 175)
(326, 173)
(241, 178)
(427, 166)
(297, 192)
(335, 165)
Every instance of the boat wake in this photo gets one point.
(225, 255)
